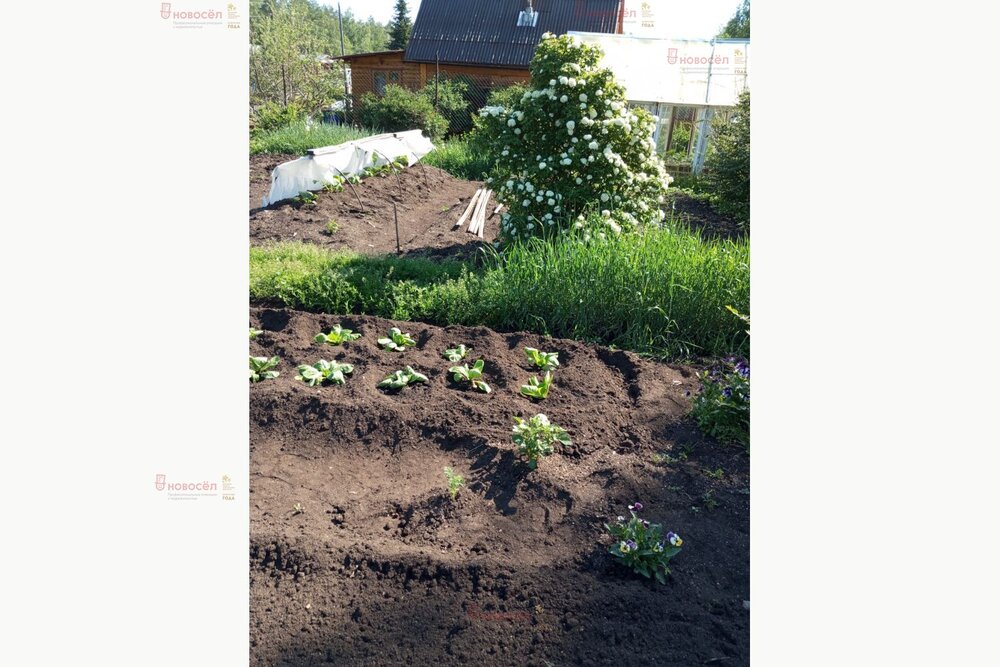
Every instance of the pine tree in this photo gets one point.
(739, 25)
(400, 27)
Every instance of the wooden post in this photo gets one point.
(395, 218)
(437, 77)
(343, 52)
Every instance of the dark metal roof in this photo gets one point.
(355, 56)
(485, 32)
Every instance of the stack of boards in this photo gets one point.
(475, 212)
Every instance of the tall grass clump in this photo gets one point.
(459, 158)
(305, 276)
(661, 291)
(299, 137)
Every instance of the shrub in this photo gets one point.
(722, 407)
(271, 116)
(300, 136)
(571, 147)
(399, 109)
(452, 102)
(642, 546)
(727, 168)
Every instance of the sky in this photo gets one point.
(680, 18)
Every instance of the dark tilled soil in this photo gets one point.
(701, 217)
(428, 201)
(381, 568)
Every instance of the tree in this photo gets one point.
(286, 50)
(738, 26)
(400, 27)
(727, 170)
(570, 153)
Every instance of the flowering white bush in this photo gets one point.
(571, 147)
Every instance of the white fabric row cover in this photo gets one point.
(685, 72)
(319, 168)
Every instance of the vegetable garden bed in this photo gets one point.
(360, 556)
(428, 201)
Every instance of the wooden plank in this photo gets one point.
(475, 213)
(465, 215)
(478, 217)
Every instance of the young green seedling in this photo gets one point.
(337, 335)
(547, 361)
(455, 482)
(456, 354)
(323, 371)
(255, 332)
(261, 368)
(536, 389)
(306, 198)
(536, 436)
(471, 375)
(397, 340)
(400, 379)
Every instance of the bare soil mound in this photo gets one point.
(428, 203)
(381, 567)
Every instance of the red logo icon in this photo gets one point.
(672, 56)
(161, 482)
(165, 10)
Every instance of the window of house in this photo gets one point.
(380, 80)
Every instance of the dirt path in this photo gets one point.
(382, 568)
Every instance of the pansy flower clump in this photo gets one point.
(722, 407)
(642, 545)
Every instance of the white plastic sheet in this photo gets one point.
(316, 170)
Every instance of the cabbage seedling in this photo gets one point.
(255, 332)
(261, 368)
(547, 361)
(400, 379)
(471, 375)
(536, 389)
(455, 482)
(397, 340)
(456, 354)
(536, 436)
(306, 198)
(337, 335)
(323, 371)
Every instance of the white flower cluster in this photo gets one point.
(574, 155)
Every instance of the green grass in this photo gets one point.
(661, 292)
(457, 158)
(297, 139)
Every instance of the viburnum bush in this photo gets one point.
(570, 153)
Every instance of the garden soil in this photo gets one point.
(358, 556)
(429, 201)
